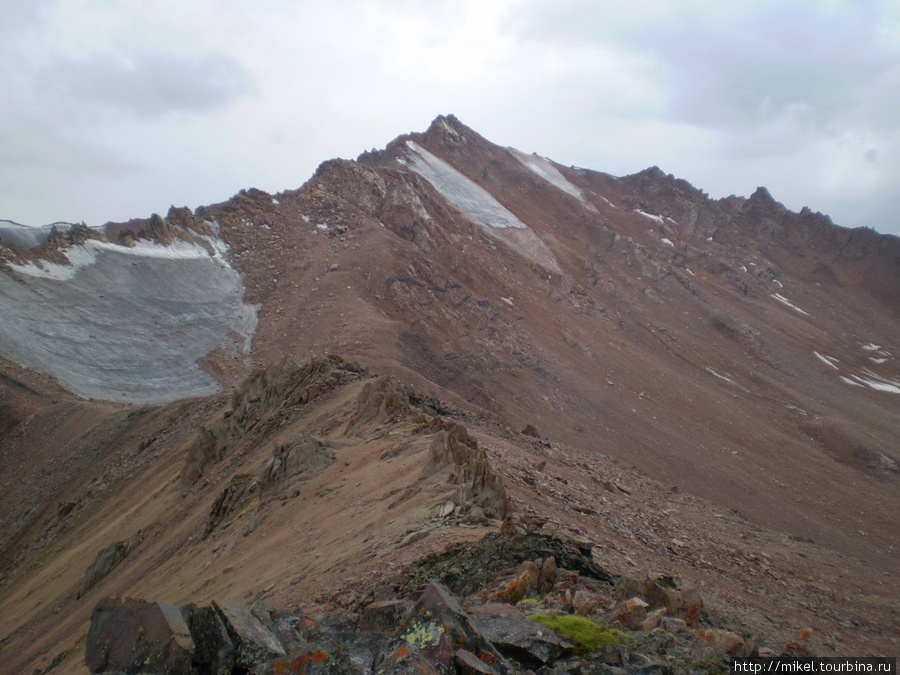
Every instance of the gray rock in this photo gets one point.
(138, 637)
(253, 642)
(516, 637)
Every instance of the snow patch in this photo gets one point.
(784, 301)
(871, 347)
(827, 360)
(725, 378)
(85, 255)
(476, 203)
(275, 201)
(650, 216)
(667, 242)
(542, 167)
(606, 201)
(742, 268)
(777, 283)
(508, 301)
(881, 384)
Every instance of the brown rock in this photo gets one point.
(718, 642)
(520, 586)
(631, 613)
(236, 493)
(301, 458)
(586, 602)
(548, 575)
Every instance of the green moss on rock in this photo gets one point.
(587, 636)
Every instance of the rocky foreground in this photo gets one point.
(556, 611)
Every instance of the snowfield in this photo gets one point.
(127, 324)
(475, 203)
(542, 167)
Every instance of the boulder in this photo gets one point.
(434, 630)
(213, 648)
(253, 642)
(631, 613)
(133, 636)
(516, 637)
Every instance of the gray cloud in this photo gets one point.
(149, 84)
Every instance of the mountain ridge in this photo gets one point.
(728, 349)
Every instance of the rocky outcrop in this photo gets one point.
(382, 401)
(281, 387)
(107, 560)
(295, 461)
(453, 452)
(240, 489)
(439, 633)
(132, 636)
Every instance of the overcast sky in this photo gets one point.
(114, 109)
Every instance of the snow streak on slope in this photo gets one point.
(127, 324)
(476, 203)
(542, 167)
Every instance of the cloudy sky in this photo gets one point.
(114, 109)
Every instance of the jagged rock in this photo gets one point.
(238, 491)
(253, 642)
(381, 401)
(299, 459)
(213, 649)
(548, 575)
(107, 560)
(138, 637)
(518, 588)
(469, 664)
(516, 637)
(455, 452)
(686, 603)
(436, 627)
(287, 384)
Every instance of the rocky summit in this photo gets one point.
(449, 407)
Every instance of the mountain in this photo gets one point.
(695, 387)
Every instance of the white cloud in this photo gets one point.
(188, 102)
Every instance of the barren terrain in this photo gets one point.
(711, 389)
